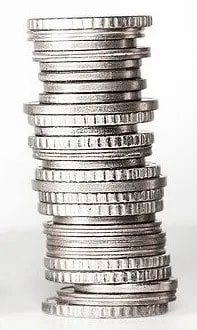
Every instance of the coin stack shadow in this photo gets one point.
(104, 242)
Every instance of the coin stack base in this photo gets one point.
(105, 244)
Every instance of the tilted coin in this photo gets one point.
(91, 141)
(106, 299)
(125, 276)
(96, 264)
(150, 170)
(92, 55)
(98, 187)
(101, 198)
(160, 286)
(53, 306)
(125, 85)
(61, 45)
(58, 98)
(87, 65)
(89, 75)
(99, 108)
(75, 23)
(94, 120)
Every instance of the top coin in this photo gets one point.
(85, 23)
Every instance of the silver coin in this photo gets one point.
(92, 210)
(138, 219)
(80, 131)
(96, 187)
(162, 286)
(79, 23)
(113, 120)
(50, 228)
(89, 75)
(150, 170)
(89, 98)
(102, 242)
(125, 85)
(91, 141)
(99, 164)
(92, 55)
(89, 34)
(101, 198)
(99, 108)
(73, 45)
(53, 306)
(102, 253)
(85, 65)
(96, 264)
(78, 298)
(127, 276)
(86, 155)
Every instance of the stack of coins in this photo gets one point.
(104, 241)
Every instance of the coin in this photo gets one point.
(99, 299)
(53, 306)
(162, 286)
(56, 45)
(86, 65)
(127, 276)
(101, 198)
(91, 141)
(57, 122)
(101, 264)
(89, 75)
(57, 98)
(125, 85)
(150, 170)
(99, 108)
(98, 187)
(84, 23)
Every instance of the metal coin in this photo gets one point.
(150, 170)
(92, 55)
(89, 97)
(99, 108)
(99, 164)
(89, 75)
(79, 23)
(125, 85)
(85, 65)
(98, 187)
(80, 131)
(145, 218)
(162, 286)
(91, 141)
(127, 276)
(56, 122)
(72, 45)
(89, 34)
(53, 306)
(96, 264)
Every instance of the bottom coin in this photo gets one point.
(53, 306)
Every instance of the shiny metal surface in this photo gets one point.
(104, 238)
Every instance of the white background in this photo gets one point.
(171, 73)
